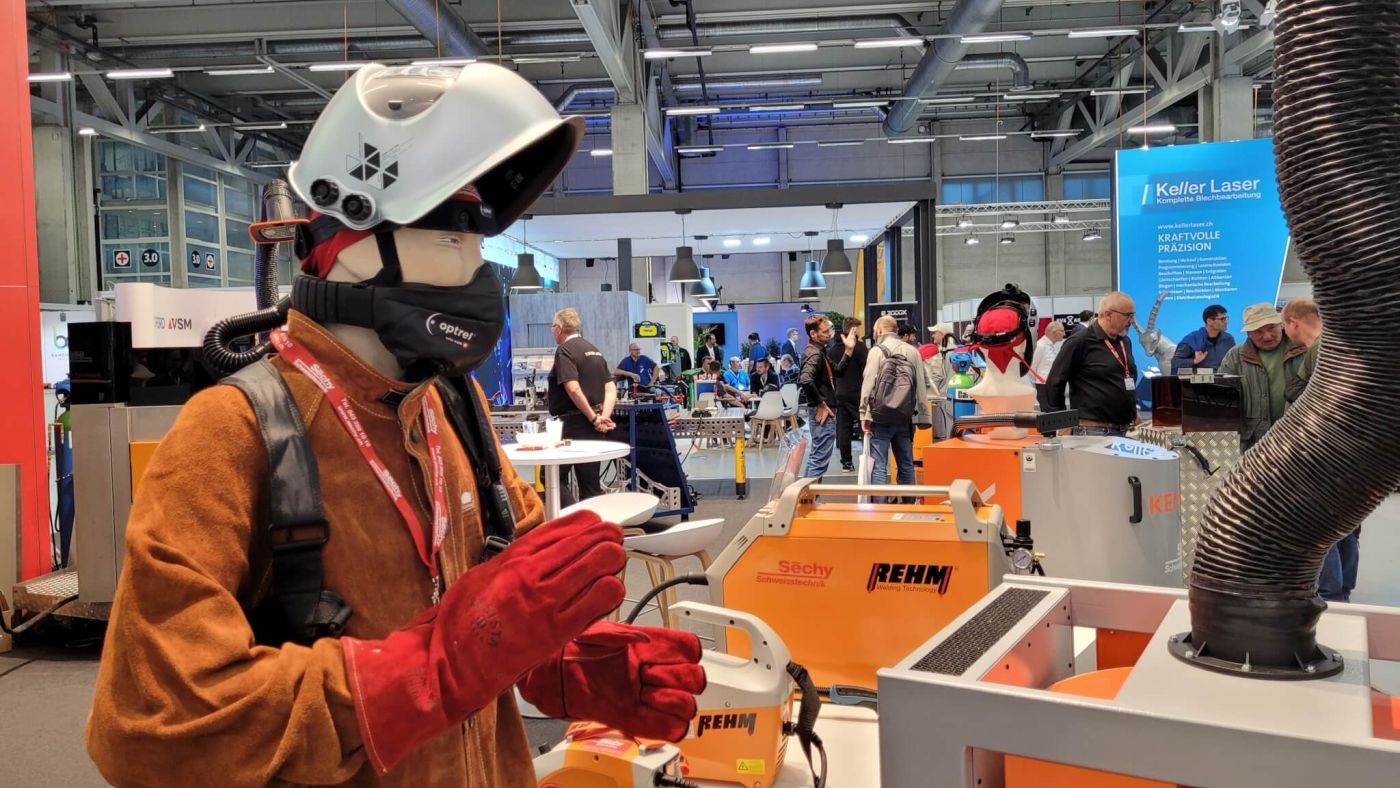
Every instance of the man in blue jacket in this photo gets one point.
(1206, 346)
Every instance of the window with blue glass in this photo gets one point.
(983, 189)
(134, 216)
(1087, 186)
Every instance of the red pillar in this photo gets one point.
(22, 419)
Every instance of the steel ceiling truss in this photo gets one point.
(1051, 206)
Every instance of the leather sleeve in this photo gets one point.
(183, 695)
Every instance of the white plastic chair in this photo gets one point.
(790, 399)
(623, 508)
(660, 549)
(768, 419)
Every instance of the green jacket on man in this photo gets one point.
(1243, 360)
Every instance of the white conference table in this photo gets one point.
(578, 451)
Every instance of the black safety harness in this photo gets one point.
(300, 609)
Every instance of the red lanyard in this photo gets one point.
(1122, 362)
(307, 364)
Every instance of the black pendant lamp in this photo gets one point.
(836, 263)
(684, 269)
(527, 276)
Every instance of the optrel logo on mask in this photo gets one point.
(440, 326)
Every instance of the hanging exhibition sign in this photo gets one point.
(1196, 225)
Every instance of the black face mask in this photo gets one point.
(430, 329)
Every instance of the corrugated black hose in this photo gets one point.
(1335, 455)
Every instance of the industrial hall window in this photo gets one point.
(218, 210)
(984, 189)
(134, 214)
(1087, 186)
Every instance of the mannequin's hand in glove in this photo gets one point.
(640, 680)
(494, 624)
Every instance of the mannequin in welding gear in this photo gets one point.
(416, 689)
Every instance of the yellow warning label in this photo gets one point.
(752, 766)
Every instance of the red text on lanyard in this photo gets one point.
(307, 364)
(1122, 361)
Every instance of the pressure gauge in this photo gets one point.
(1022, 560)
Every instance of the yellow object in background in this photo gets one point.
(141, 452)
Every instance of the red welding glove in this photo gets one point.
(640, 680)
(498, 621)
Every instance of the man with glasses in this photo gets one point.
(1205, 347)
(1098, 367)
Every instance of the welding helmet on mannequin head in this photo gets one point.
(1002, 328)
(458, 150)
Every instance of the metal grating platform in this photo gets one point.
(964, 647)
(41, 592)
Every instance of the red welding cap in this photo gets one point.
(1001, 329)
(323, 255)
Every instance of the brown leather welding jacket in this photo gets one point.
(184, 697)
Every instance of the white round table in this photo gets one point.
(550, 459)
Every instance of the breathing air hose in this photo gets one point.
(272, 311)
(1330, 461)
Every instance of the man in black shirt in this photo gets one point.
(709, 350)
(1098, 366)
(763, 379)
(817, 380)
(581, 394)
(848, 383)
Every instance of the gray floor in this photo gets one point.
(45, 693)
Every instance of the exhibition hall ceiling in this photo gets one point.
(1045, 65)
(734, 231)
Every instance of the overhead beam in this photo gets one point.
(53, 111)
(104, 97)
(1254, 46)
(617, 51)
(719, 199)
(294, 76)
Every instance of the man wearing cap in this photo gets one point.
(1264, 363)
(938, 370)
(1097, 364)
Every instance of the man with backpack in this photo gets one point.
(893, 399)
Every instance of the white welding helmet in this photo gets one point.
(396, 142)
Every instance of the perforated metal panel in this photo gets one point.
(964, 647)
(1221, 451)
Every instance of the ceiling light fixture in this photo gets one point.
(1054, 134)
(835, 263)
(949, 100)
(446, 61)
(527, 276)
(267, 165)
(910, 140)
(983, 138)
(600, 152)
(348, 65)
(692, 110)
(750, 84)
(1153, 128)
(772, 146)
(1105, 32)
(1061, 218)
(775, 49)
(1136, 90)
(1008, 239)
(684, 149)
(1093, 235)
(705, 288)
(664, 54)
(808, 295)
(684, 269)
(54, 76)
(859, 238)
(884, 43)
(964, 222)
(240, 71)
(778, 108)
(839, 143)
(858, 104)
(192, 129)
(995, 38)
(270, 126)
(1031, 96)
(1010, 223)
(140, 73)
(730, 243)
(1195, 28)
(971, 240)
(547, 59)
(87, 131)
(762, 240)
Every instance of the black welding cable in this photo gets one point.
(43, 614)
(694, 580)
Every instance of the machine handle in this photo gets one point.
(845, 695)
(1136, 484)
(903, 490)
(762, 638)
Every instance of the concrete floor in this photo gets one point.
(45, 692)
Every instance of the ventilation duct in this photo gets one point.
(942, 57)
(1333, 458)
(445, 31)
(1020, 72)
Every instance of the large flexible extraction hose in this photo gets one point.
(1333, 458)
(272, 311)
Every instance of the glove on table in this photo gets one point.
(640, 680)
(498, 621)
